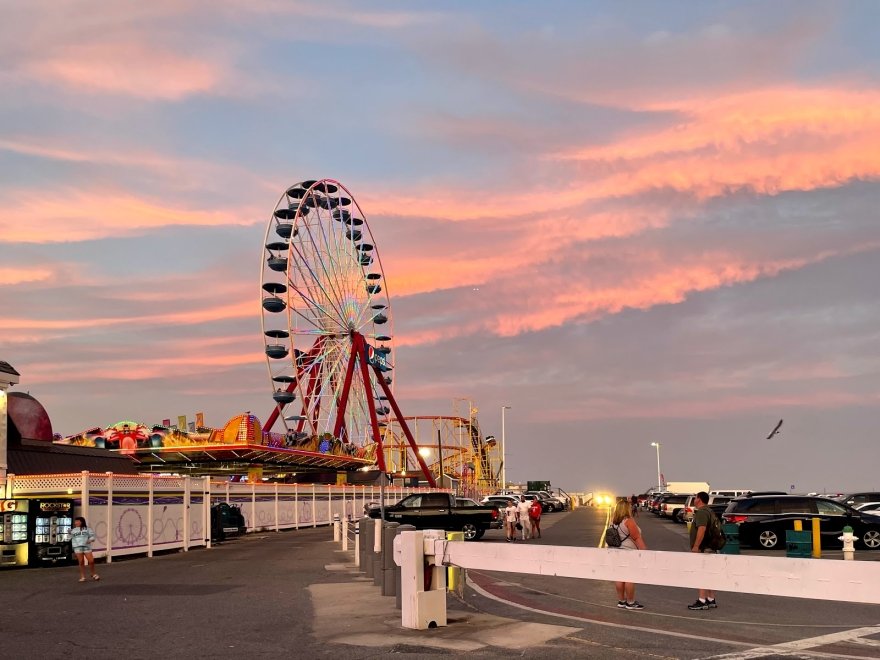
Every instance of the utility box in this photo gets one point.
(731, 539)
(798, 544)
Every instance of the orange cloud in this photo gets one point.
(767, 141)
(10, 275)
(79, 215)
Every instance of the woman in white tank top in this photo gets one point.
(630, 539)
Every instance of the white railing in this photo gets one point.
(849, 581)
(137, 514)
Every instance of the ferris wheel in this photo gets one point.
(326, 319)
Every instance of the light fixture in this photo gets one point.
(424, 452)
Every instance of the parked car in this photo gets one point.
(672, 507)
(858, 500)
(717, 505)
(439, 511)
(657, 500)
(764, 519)
(548, 503)
(499, 501)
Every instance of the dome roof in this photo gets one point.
(243, 430)
(29, 417)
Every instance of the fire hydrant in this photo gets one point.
(848, 541)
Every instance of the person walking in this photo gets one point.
(523, 510)
(535, 510)
(81, 538)
(630, 539)
(511, 515)
(698, 536)
(634, 505)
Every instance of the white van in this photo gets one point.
(730, 493)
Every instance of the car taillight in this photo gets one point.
(687, 509)
(735, 519)
(494, 514)
(665, 507)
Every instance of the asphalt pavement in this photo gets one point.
(666, 628)
(296, 594)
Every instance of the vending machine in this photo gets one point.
(14, 532)
(35, 532)
(51, 532)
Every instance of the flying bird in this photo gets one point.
(775, 431)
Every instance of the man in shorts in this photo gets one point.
(699, 528)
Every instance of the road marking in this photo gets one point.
(639, 652)
(659, 614)
(853, 635)
(625, 626)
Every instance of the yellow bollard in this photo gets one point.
(798, 525)
(453, 573)
(817, 540)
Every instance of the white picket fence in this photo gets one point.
(141, 514)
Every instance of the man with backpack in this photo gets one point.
(705, 536)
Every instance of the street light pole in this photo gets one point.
(659, 480)
(503, 451)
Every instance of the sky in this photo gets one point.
(631, 222)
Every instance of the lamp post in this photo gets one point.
(659, 481)
(503, 451)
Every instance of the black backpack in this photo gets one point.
(613, 538)
(714, 538)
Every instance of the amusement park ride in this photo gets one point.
(328, 334)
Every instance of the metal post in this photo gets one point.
(84, 495)
(337, 528)
(389, 569)
(186, 502)
(345, 528)
(329, 503)
(109, 517)
(253, 506)
(296, 506)
(314, 508)
(277, 527)
(150, 515)
(817, 539)
(357, 545)
(659, 477)
(206, 510)
(440, 457)
(503, 450)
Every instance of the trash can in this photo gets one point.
(798, 544)
(731, 536)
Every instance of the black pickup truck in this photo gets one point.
(440, 511)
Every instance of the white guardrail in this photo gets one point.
(416, 552)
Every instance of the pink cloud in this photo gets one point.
(136, 69)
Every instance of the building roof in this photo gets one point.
(6, 368)
(37, 457)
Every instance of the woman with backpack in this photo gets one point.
(630, 539)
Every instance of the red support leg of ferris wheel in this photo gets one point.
(359, 349)
(339, 426)
(307, 358)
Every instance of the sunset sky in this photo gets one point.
(631, 222)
